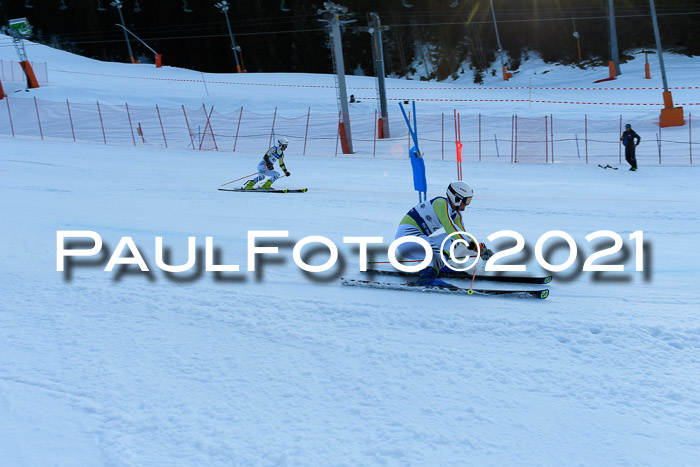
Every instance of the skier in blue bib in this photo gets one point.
(266, 167)
(425, 219)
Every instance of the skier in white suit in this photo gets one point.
(266, 167)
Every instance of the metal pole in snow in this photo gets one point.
(41, 133)
(374, 135)
(480, 138)
(131, 126)
(551, 129)
(12, 126)
(585, 117)
(161, 127)
(578, 151)
(104, 136)
(546, 142)
(690, 137)
(272, 130)
(240, 116)
(70, 118)
(442, 135)
(619, 145)
(189, 130)
(306, 132)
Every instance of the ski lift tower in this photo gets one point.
(375, 28)
(19, 30)
(331, 15)
(506, 74)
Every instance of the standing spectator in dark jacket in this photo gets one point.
(628, 141)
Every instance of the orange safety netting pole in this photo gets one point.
(70, 118)
(306, 132)
(131, 126)
(161, 126)
(240, 116)
(189, 130)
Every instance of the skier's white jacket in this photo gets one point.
(430, 216)
(272, 155)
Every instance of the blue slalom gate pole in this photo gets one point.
(417, 163)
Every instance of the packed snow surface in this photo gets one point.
(278, 366)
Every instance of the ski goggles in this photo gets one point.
(466, 201)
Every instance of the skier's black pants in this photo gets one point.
(630, 156)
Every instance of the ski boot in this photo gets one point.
(428, 278)
(267, 185)
(250, 185)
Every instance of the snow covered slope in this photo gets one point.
(281, 367)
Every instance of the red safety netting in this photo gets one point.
(494, 139)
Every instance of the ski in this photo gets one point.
(541, 294)
(261, 190)
(608, 166)
(468, 275)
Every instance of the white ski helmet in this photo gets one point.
(457, 191)
(282, 142)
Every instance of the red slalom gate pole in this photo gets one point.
(476, 266)
(459, 152)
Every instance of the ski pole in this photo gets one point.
(249, 175)
(476, 266)
(409, 260)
